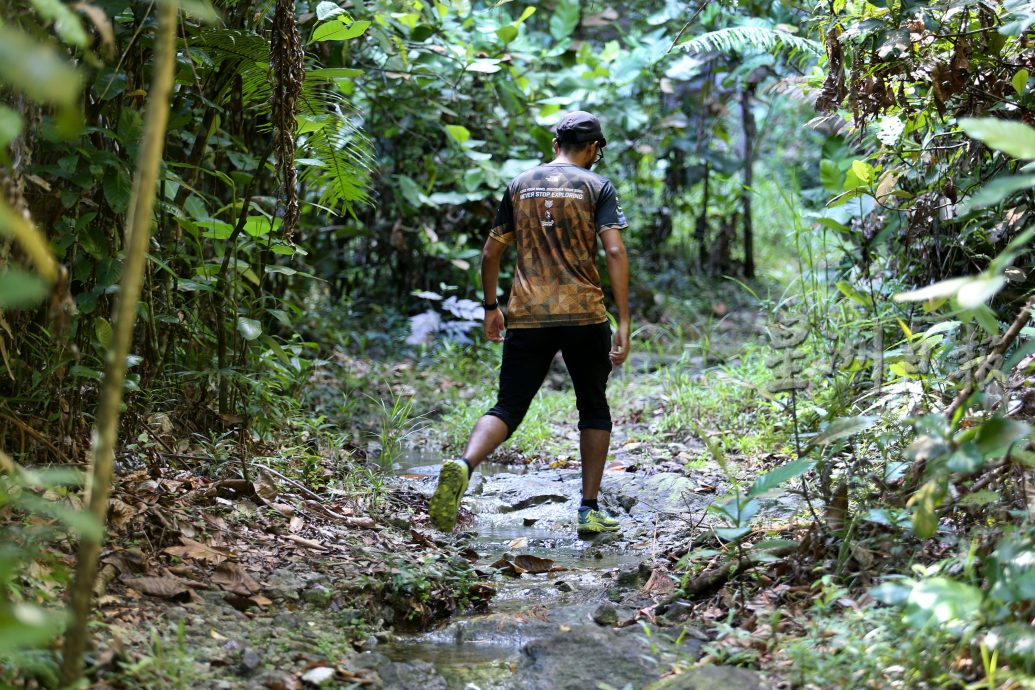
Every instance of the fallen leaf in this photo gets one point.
(261, 601)
(233, 578)
(296, 524)
(536, 565)
(658, 583)
(264, 485)
(195, 549)
(519, 543)
(164, 587)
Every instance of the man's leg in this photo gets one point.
(488, 433)
(527, 354)
(585, 350)
(593, 443)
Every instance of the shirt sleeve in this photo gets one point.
(503, 226)
(609, 210)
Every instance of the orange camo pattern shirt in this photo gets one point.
(553, 214)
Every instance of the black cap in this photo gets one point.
(578, 127)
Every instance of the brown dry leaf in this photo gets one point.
(120, 513)
(837, 511)
(261, 601)
(658, 583)
(519, 543)
(195, 549)
(508, 567)
(536, 565)
(233, 578)
(265, 487)
(296, 524)
(164, 587)
(284, 509)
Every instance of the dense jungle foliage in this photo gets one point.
(266, 188)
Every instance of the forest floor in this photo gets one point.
(333, 577)
(314, 563)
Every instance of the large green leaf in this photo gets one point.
(1013, 138)
(564, 19)
(339, 30)
(776, 478)
(998, 189)
(945, 602)
(36, 69)
(20, 289)
(843, 428)
(250, 329)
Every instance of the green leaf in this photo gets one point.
(260, 226)
(66, 22)
(980, 498)
(507, 33)
(102, 329)
(339, 30)
(995, 436)
(484, 66)
(943, 601)
(732, 533)
(1012, 138)
(326, 10)
(776, 478)
(843, 428)
(20, 289)
(459, 133)
(332, 73)
(996, 190)
(977, 291)
(250, 329)
(201, 10)
(1020, 81)
(564, 19)
(421, 33)
(940, 290)
(10, 126)
(863, 170)
(529, 11)
(24, 626)
(36, 69)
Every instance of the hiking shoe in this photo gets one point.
(594, 522)
(452, 483)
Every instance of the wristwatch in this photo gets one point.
(490, 307)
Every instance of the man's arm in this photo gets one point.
(618, 270)
(491, 255)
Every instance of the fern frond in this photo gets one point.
(745, 38)
(337, 157)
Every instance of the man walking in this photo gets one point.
(553, 215)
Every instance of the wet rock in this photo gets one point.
(565, 586)
(531, 502)
(287, 621)
(408, 675)
(634, 578)
(559, 661)
(529, 521)
(606, 616)
(318, 595)
(250, 662)
(712, 678)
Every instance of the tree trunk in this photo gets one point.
(748, 119)
(138, 236)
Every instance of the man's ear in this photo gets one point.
(556, 147)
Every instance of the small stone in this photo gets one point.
(250, 661)
(529, 521)
(565, 586)
(606, 616)
(318, 676)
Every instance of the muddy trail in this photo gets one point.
(569, 612)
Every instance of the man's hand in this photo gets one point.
(620, 346)
(494, 323)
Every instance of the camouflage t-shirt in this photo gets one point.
(553, 214)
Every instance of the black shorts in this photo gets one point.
(527, 354)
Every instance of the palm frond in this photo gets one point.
(742, 39)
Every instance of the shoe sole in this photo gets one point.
(446, 501)
(597, 529)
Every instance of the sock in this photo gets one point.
(589, 504)
(470, 470)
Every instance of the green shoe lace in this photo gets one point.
(595, 522)
(452, 483)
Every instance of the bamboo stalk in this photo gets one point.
(138, 236)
